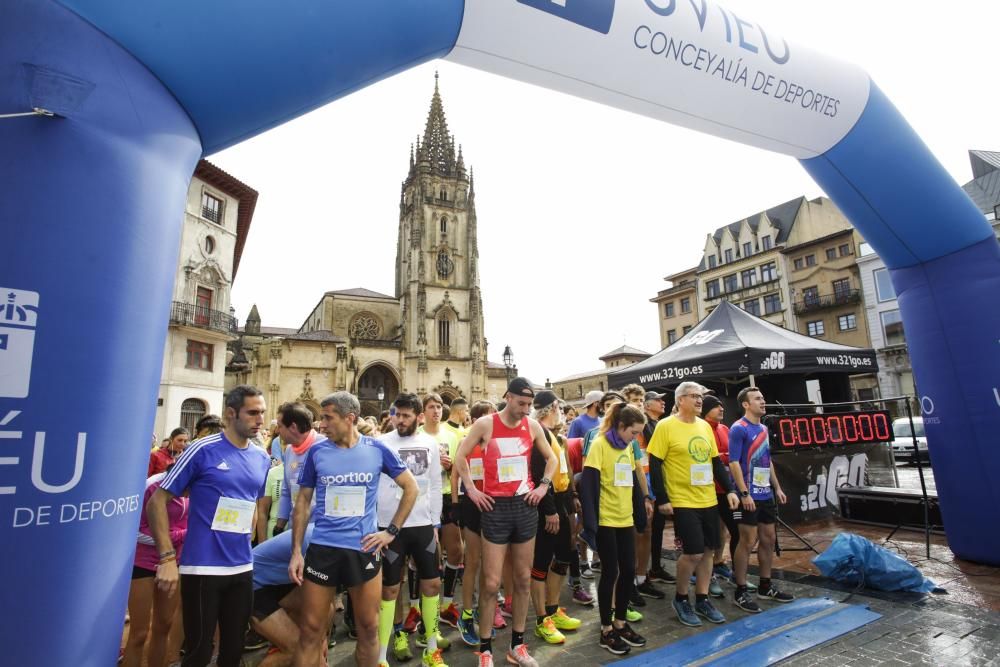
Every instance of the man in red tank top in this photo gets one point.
(508, 501)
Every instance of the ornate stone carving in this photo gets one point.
(307, 392)
(365, 326)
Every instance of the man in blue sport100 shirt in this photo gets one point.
(346, 545)
(758, 488)
(224, 476)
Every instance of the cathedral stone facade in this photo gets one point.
(429, 336)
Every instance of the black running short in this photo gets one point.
(511, 521)
(469, 515)
(142, 573)
(267, 599)
(446, 517)
(418, 543)
(766, 513)
(697, 529)
(336, 566)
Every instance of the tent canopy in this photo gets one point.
(731, 342)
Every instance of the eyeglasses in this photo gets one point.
(697, 397)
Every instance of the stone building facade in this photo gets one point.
(217, 218)
(428, 336)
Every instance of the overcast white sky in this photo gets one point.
(595, 204)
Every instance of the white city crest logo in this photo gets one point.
(18, 319)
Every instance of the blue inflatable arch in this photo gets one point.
(131, 94)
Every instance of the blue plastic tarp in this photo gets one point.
(856, 561)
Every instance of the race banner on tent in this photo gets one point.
(811, 477)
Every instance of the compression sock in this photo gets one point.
(429, 606)
(450, 579)
(385, 614)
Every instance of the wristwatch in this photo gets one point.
(392, 529)
(744, 494)
(546, 480)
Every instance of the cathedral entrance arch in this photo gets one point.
(370, 379)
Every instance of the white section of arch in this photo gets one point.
(681, 61)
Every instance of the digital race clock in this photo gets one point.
(821, 430)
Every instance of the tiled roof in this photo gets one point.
(363, 292)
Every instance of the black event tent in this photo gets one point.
(732, 343)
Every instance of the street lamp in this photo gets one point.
(508, 362)
(380, 395)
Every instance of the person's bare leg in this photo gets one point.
(281, 630)
(313, 616)
(765, 549)
(473, 553)
(492, 565)
(164, 608)
(686, 566)
(402, 600)
(367, 600)
(741, 559)
(140, 610)
(553, 587)
(703, 573)
(176, 637)
(521, 557)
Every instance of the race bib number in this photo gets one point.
(701, 474)
(512, 469)
(644, 461)
(762, 477)
(234, 516)
(476, 469)
(623, 474)
(509, 446)
(345, 500)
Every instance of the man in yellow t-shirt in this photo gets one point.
(684, 465)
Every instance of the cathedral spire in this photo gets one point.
(438, 146)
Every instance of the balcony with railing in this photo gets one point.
(188, 314)
(813, 302)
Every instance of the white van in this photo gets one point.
(902, 446)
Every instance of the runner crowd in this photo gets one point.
(251, 539)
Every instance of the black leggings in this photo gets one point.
(207, 600)
(659, 524)
(616, 547)
(730, 522)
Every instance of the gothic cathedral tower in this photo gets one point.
(437, 274)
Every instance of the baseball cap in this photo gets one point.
(653, 396)
(520, 387)
(593, 397)
(544, 399)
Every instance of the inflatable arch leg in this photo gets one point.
(92, 205)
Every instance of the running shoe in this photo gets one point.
(587, 573)
(714, 589)
(658, 574)
(412, 619)
(746, 602)
(485, 659)
(648, 590)
(252, 641)
(637, 600)
(630, 636)
(722, 570)
(433, 659)
(547, 630)
(595, 565)
(772, 593)
(443, 642)
(499, 622)
(469, 630)
(611, 641)
(632, 616)
(564, 621)
(519, 656)
(331, 640)
(580, 596)
(450, 615)
(401, 646)
(507, 609)
(707, 610)
(685, 614)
